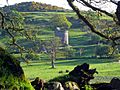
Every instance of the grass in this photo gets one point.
(106, 68)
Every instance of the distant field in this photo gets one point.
(106, 68)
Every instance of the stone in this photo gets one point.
(69, 85)
(11, 71)
(60, 72)
(38, 84)
(54, 86)
(9, 65)
(81, 74)
(67, 71)
(63, 35)
(115, 83)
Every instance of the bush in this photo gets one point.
(102, 51)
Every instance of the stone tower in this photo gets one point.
(63, 35)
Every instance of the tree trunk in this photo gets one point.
(53, 57)
(52, 63)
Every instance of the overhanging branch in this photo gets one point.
(95, 8)
(113, 39)
(114, 2)
(85, 20)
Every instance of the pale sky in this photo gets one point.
(61, 3)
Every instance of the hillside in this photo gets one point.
(33, 6)
(37, 24)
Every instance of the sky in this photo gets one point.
(61, 3)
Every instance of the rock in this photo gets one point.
(69, 85)
(77, 70)
(11, 73)
(9, 65)
(115, 83)
(67, 71)
(105, 87)
(60, 72)
(38, 84)
(102, 86)
(53, 86)
(1, 87)
(82, 74)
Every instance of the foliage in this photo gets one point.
(14, 19)
(69, 52)
(32, 6)
(32, 56)
(102, 50)
(61, 21)
(10, 82)
(95, 39)
(12, 23)
(88, 87)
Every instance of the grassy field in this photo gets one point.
(106, 68)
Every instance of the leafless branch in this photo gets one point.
(95, 8)
(2, 18)
(114, 2)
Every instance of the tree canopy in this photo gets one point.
(60, 20)
(32, 6)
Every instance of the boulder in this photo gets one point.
(9, 65)
(54, 86)
(38, 84)
(101, 86)
(82, 74)
(115, 83)
(11, 73)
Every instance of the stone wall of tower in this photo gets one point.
(63, 35)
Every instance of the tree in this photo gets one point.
(50, 47)
(60, 20)
(110, 31)
(11, 73)
(102, 51)
(69, 52)
(12, 23)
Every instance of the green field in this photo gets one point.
(106, 69)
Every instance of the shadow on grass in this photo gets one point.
(70, 62)
(81, 61)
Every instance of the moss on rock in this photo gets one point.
(11, 73)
